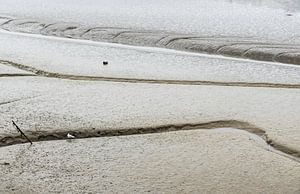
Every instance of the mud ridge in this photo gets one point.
(7, 22)
(17, 100)
(91, 29)
(23, 23)
(36, 136)
(120, 33)
(170, 40)
(8, 102)
(147, 81)
(16, 75)
(179, 38)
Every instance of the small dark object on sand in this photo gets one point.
(5, 163)
(289, 14)
(22, 134)
(105, 62)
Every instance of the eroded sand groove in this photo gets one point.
(15, 75)
(148, 81)
(244, 47)
(35, 136)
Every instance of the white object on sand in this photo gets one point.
(69, 136)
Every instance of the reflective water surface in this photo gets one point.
(288, 5)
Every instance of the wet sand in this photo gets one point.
(198, 161)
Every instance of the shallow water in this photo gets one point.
(266, 19)
(288, 5)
